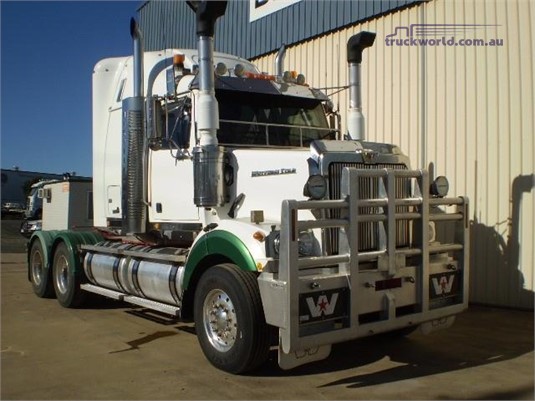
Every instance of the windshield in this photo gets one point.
(270, 120)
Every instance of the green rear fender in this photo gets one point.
(46, 238)
(74, 240)
(217, 246)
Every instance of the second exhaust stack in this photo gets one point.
(355, 46)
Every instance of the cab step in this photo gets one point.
(120, 296)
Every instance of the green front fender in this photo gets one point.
(216, 245)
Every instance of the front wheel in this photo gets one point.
(229, 319)
(66, 281)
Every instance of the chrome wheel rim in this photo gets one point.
(37, 267)
(220, 321)
(62, 274)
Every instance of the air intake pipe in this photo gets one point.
(355, 46)
(133, 176)
(208, 159)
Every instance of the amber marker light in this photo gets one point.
(259, 236)
(178, 59)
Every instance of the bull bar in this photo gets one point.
(284, 292)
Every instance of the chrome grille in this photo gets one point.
(369, 189)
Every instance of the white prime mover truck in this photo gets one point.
(222, 195)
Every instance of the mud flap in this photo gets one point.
(298, 358)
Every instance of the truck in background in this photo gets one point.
(33, 212)
(62, 213)
(222, 195)
(34, 203)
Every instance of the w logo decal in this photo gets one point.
(443, 284)
(323, 306)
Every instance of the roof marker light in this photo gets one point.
(221, 69)
(239, 70)
(265, 77)
(178, 59)
(287, 76)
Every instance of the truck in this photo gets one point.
(34, 209)
(229, 197)
(34, 202)
(67, 208)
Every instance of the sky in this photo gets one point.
(47, 54)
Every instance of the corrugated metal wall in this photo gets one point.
(467, 109)
(168, 24)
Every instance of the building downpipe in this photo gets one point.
(355, 119)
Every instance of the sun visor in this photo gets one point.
(241, 85)
(263, 86)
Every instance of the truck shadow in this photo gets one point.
(474, 340)
(94, 301)
(496, 263)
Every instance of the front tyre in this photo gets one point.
(229, 319)
(39, 274)
(66, 282)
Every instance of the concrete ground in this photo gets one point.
(109, 350)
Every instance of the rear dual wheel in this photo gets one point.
(66, 281)
(39, 274)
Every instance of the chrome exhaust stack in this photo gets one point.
(208, 159)
(355, 46)
(279, 61)
(137, 36)
(133, 178)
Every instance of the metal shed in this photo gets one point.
(466, 109)
(168, 24)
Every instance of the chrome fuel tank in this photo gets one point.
(118, 270)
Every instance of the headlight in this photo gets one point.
(305, 243)
(440, 187)
(277, 243)
(315, 187)
(36, 226)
